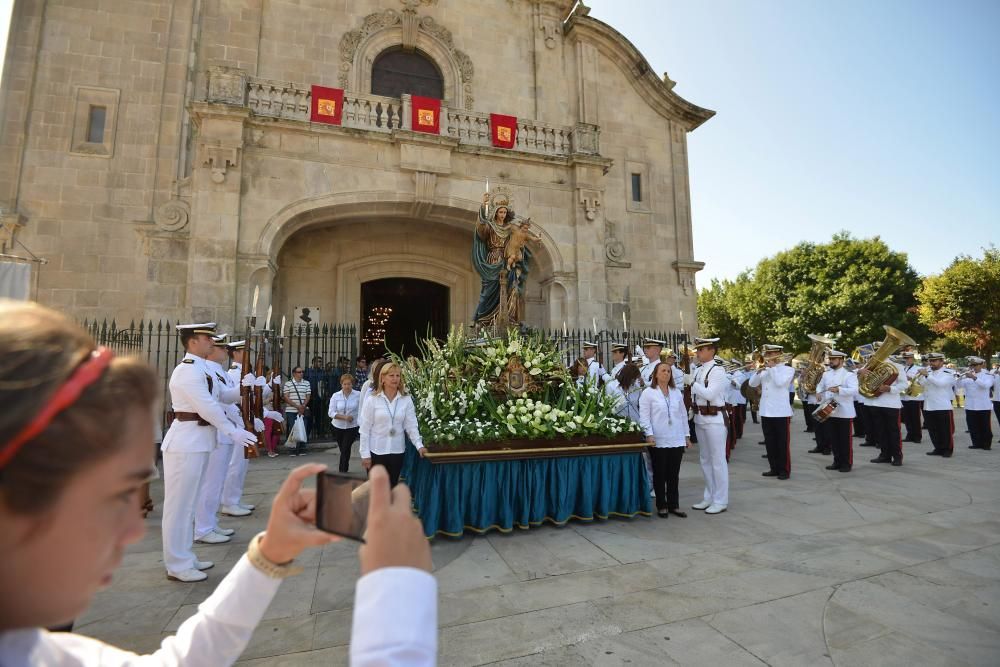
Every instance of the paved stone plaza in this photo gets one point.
(882, 566)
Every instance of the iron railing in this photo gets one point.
(570, 342)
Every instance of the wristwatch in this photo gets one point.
(271, 569)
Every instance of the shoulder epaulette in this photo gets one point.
(187, 361)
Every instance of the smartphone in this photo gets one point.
(335, 511)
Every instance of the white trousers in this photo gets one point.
(182, 476)
(210, 494)
(236, 474)
(712, 453)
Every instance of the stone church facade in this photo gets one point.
(159, 155)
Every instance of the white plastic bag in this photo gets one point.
(297, 434)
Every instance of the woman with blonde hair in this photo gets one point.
(387, 416)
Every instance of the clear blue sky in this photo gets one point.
(879, 117)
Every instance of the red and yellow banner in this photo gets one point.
(503, 130)
(426, 114)
(327, 105)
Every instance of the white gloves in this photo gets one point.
(258, 425)
(260, 381)
(277, 380)
(275, 415)
(688, 379)
(244, 438)
(248, 380)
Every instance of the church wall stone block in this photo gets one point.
(207, 177)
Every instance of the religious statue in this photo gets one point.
(501, 254)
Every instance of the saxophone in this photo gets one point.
(880, 372)
(815, 368)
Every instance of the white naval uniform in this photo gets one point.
(594, 371)
(186, 448)
(210, 494)
(236, 474)
(615, 370)
(709, 388)
(219, 632)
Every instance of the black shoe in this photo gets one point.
(663, 514)
(946, 455)
(763, 456)
(677, 512)
(782, 476)
(845, 468)
(762, 442)
(833, 467)
(868, 444)
(974, 447)
(881, 459)
(816, 450)
(769, 473)
(826, 452)
(897, 462)
(934, 452)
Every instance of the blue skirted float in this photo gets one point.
(480, 496)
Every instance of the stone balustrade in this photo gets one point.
(374, 113)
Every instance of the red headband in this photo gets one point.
(85, 375)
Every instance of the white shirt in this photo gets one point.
(383, 423)
(594, 370)
(890, 399)
(189, 392)
(344, 405)
(977, 392)
(847, 388)
(938, 389)
(627, 402)
(219, 632)
(366, 391)
(615, 370)
(709, 389)
(911, 372)
(774, 383)
(664, 417)
(733, 394)
(229, 395)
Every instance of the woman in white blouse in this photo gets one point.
(344, 417)
(664, 421)
(387, 416)
(366, 388)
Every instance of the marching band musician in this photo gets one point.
(651, 348)
(736, 398)
(594, 369)
(206, 524)
(775, 410)
(810, 404)
(708, 392)
(884, 414)
(619, 352)
(912, 404)
(939, 386)
(841, 385)
(186, 448)
(977, 384)
(748, 371)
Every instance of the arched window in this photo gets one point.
(396, 72)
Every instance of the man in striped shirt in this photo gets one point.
(296, 393)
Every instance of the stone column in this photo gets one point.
(215, 201)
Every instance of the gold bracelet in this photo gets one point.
(271, 569)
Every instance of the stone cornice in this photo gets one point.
(619, 50)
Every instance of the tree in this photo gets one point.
(963, 302)
(851, 286)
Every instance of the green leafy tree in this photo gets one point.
(963, 303)
(851, 286)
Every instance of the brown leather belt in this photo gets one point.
(190, 417)
(707, 410)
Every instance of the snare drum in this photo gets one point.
(825, 409)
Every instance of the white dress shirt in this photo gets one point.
(344, 405)
(939, 389)
(847, 388)
(774, 383)
(664, 417)
(365, 392)
(626, 402)
(383, 423)
(189, 392)
(977, 391)
(891, 398)
(220, 630)
(709, 389)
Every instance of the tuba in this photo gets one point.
(815, 366)
(881, 372)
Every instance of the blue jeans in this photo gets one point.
(290, 417)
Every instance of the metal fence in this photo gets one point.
(570, 342)
(159, 344)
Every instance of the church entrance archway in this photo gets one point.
(397, 312)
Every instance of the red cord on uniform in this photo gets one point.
(85, 375)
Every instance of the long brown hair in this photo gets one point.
(628, 375)
(39, 350)
(652, 378)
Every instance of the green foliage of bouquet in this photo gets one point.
(459, 398)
